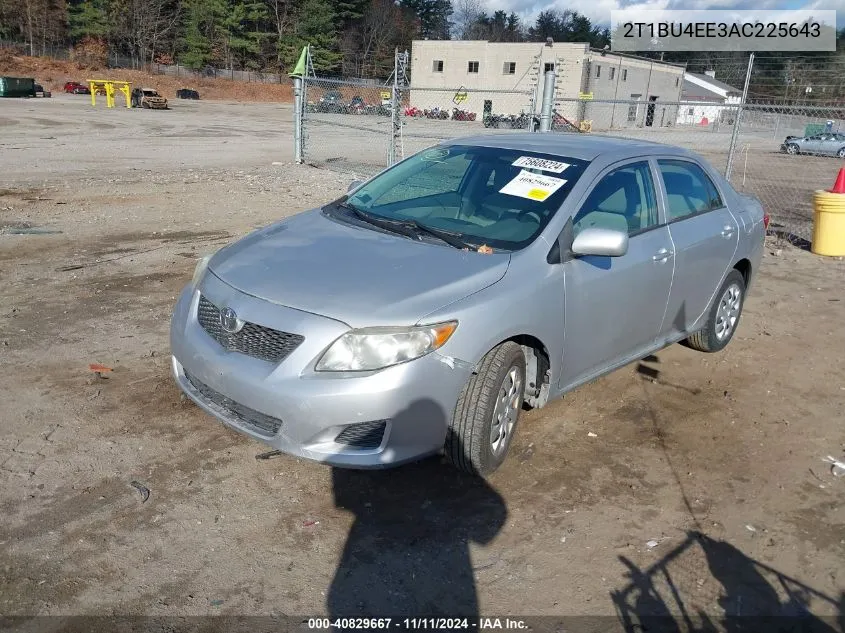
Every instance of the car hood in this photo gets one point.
(354, 274)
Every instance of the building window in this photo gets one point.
(437, 66)
(548, 67)
(472, 67)
(598, 72)
(509, 68)
(691, 111)
(633, 108)
(624, 74)
(612, 73)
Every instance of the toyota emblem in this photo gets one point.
(229, 321)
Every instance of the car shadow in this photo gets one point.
(408, 550)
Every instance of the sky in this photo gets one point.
(599, 10)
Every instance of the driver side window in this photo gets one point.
(623, 200)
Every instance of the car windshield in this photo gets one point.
(489, 196)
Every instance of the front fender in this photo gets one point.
(513, 307)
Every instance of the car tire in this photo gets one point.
(487, 412)
(723, 317)
(793, 149)
(841, 152)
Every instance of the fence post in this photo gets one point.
(394, 111)
(735, 133)
(548, 101)
(297, 119)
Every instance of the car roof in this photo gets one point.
(572, 145)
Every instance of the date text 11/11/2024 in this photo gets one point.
(418, 624)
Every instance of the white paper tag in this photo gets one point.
(540, 163)
(532, 186)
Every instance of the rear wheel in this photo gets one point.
(723, 318)
(841, 152)
(487, 411)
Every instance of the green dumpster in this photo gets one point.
(813, 128)
(17, 87)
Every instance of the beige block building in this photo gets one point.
(508, 77)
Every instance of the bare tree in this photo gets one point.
(466, 15)
(368, 45)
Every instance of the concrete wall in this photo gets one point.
(430, 88)
(620, 78)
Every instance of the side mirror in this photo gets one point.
(600, 242)
(354, 185)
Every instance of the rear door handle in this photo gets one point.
(728, 231)
(662, 255)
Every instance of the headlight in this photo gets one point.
(376, 348)
(199, 271)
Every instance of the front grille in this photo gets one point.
(255, 420)
(363, 435)
(253, 340)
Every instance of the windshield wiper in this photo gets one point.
(452, 239)
(395, 226)
(408, 228)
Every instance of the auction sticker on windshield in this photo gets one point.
(532, 186)
(545, 164)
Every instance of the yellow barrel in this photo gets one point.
(829, 224)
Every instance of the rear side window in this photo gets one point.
(689, 190)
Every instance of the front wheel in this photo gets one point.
(487, 412)
(792, 148)
(723, 318)
(841, 152)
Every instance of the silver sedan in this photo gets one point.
(421, 312)
(825, 144)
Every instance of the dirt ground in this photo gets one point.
(52, 74)
(685, 484)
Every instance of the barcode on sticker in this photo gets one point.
(531, 162)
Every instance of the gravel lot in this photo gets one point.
(687, 483)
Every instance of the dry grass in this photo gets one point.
(53, 74)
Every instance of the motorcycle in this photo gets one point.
(436, 113)
(462, 115)
(414, 112)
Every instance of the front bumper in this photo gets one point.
(402, 411)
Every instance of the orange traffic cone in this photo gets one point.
(839, 185)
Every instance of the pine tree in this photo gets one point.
(89, 19)
(196, 43)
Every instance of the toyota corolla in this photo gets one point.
(424, 310)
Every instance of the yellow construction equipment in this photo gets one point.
(110, 87)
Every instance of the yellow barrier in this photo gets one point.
(109, 88)
(828, 224)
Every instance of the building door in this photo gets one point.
(649, 116)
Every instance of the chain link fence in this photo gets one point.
(779, 153)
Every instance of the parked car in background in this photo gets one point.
(40, 92)
(187, 93)
(422, 310)
(74, 87)
(147, 98)
(331, 101)
(825, 144)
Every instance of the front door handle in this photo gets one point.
(662, 255)
(728, 231)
